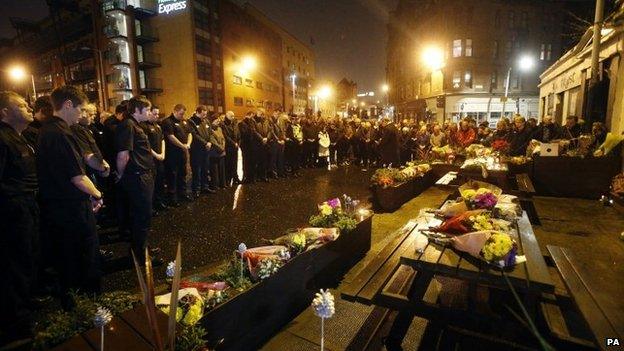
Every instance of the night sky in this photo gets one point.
(349, 35)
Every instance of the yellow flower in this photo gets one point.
(326, 210)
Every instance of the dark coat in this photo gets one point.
(389, 145)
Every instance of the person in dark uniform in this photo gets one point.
(262, 138)
(68, 197)
(200, 162)
(19, 217)
(157, 144)
(232, 142)
(134, 172)
(310, 143)
(247, 129)
(42, 109)
(98, 167)
(178, 138)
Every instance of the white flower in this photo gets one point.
(241, 248)
(267, 267)
(171, 269)
(284, 255)
(323, 304)
(102, 317)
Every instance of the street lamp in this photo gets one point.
(323, 93)
(433, 58)
(18, 74)
(525, 64)
(385, 88)
(293, 77)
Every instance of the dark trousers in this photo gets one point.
(19, 243)
(249, 162)
(276, 163)
(293, 155)
(139, 189)
(217, 172)
(310, 150)
(231, 164)
(343, 146)
(333, 150)
(159, 182)
(200, 166)
(175, 170)
(261, 155)
(71, 227)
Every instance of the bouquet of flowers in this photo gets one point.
(190, 306)
(268, 266)
(480, 195)
(501, 146)
(477, 150)
(386, 177)
(331, 215)
(491, 246)
(471, 221)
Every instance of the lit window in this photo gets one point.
(456, 79)
(549, 52)
(457, 48)
(468, 78)
(543, 52)
(468, 47)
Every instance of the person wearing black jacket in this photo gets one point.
(217, 153)
(68, 197)
(247, 128)
(232, 136)
(546, 131)
(200, 147)
(19, 217)
(310, 143)
(157, 143)
(520, 137)
(178, 137)
(388, 144)
(134, 173)
(262, 139)
(277, 145)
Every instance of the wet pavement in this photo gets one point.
(211, 227)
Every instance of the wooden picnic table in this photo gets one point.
(377, 283)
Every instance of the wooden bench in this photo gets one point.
(603, 320)
(526, 190)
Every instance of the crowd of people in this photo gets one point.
(61, 161)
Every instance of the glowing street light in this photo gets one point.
(526, 63)
(433, 58)
(18, 74)
(324, 92)
(385, 88)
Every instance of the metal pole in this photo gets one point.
(32, 78)
(596, 40)
(506, 91)
(293, 89)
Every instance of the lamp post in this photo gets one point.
(525, 63)
(433, 59)
(293, 77)
(18, 73)
(385, 88)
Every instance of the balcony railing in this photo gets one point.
(114, 57)
(142, 8)
(149, 59)
(112, 31)
(119, 81)
(146, 33)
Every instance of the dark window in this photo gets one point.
(511, 19)
(525, 20)
(202, 21)
(495, 49)
(258, 85)
(238, 101)
(237, 80)
(205, 97)
(494, 80)
(203, 45)
(204, 71)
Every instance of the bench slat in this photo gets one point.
(385, 273)
(118, 336)
(353, 288)
(536, 268)
(594, 314)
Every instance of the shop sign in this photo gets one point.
(167, 6)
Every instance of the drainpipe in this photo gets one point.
(596, 41)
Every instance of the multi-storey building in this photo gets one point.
(298, 71)
(478, 44)
(252, 62)
(174, 51)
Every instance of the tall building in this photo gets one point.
(472, 47)
(211, 52)
(298, 72)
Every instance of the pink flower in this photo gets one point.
(334, 203)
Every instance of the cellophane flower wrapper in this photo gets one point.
(493, 247)
(190, 306)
